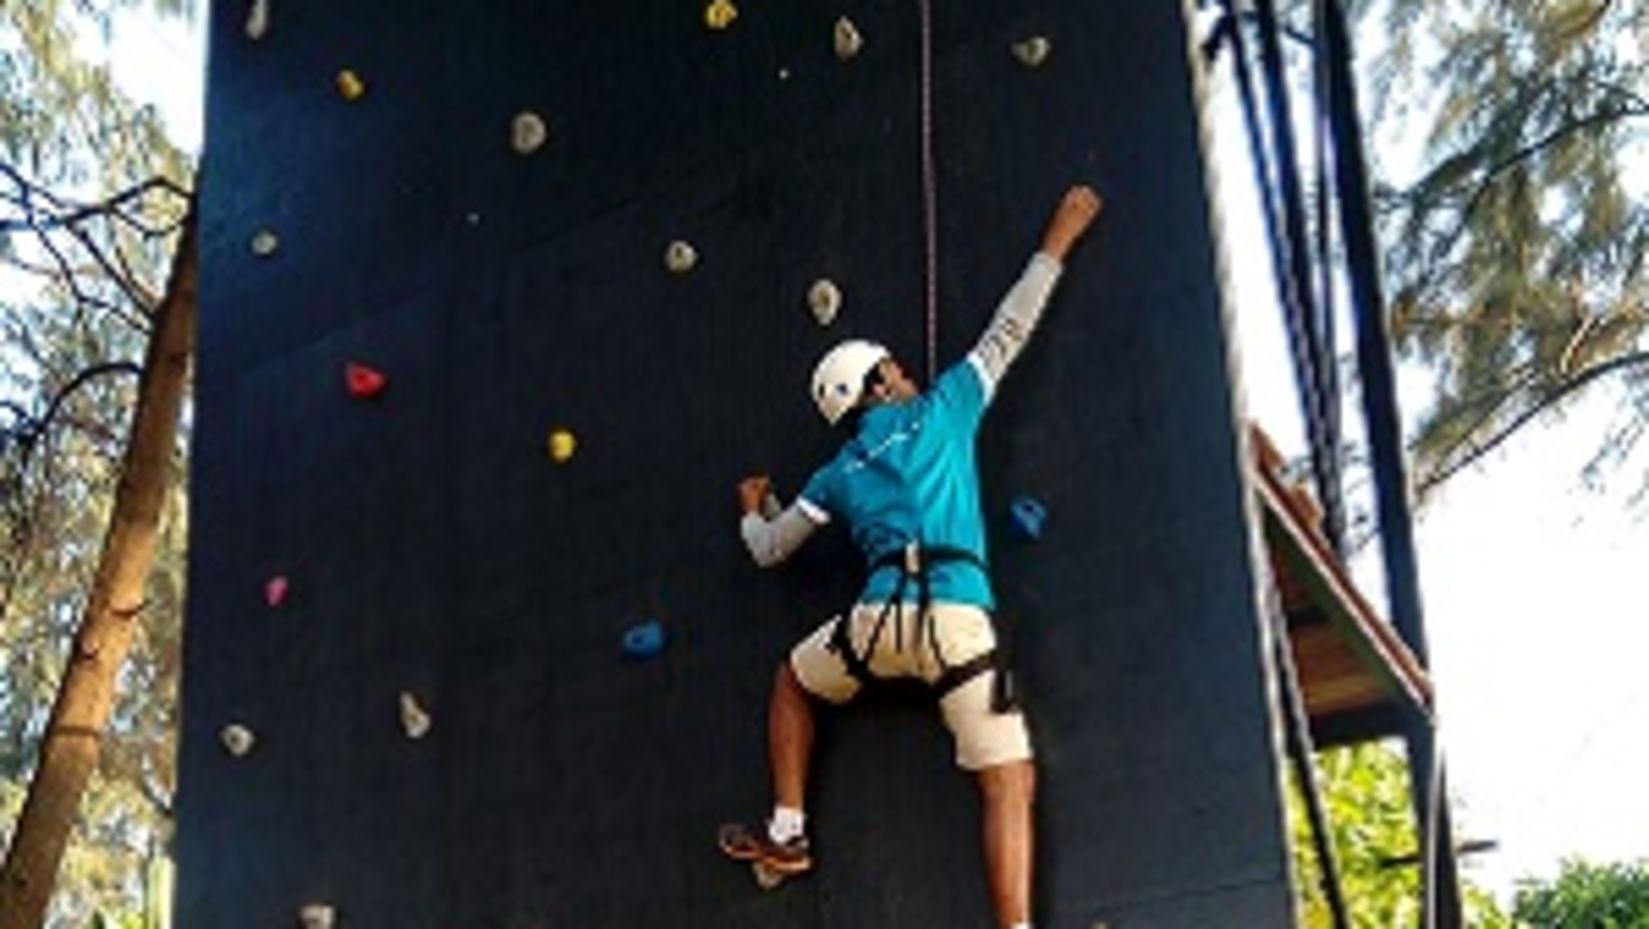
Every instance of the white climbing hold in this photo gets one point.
(265, 243)
(824, 299)
(784, 74)
(415, 722)
(1033, 51)
(257, 20)
(680, 257)
(237, 739)
(473, 218)
(528, 133)
(317, 916)
(847, 39)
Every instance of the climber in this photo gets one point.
(906, 484)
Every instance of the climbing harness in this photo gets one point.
(913, 562)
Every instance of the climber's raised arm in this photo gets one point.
(1016, 317)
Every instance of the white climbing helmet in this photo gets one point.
(839, 379)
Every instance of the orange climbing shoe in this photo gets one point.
(743, 843)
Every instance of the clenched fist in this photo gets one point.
(753, 490)
(1077, 211)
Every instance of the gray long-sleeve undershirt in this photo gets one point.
(1016, 318)
(771, 541)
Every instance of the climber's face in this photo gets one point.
(894, 385)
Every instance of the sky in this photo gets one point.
(1529, 577)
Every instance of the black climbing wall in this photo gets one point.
(433, 547)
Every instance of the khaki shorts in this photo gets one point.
(984, 737)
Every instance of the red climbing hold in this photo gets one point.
(275, 590)
(364, 382)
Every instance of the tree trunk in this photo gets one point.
(68, 755)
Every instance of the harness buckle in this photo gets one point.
(913, 559)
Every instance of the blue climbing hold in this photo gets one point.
(645, 640)
(1029, 518)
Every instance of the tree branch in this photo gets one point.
(1551, 398)
(127, 287)
(1495, 170)
(1591, 20)
(75, 213)
(28, 431)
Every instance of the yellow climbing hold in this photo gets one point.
(720, 14)
(350, 85)
(562, 445)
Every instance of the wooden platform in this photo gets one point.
(1358, 676)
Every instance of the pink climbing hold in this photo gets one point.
(275, 590)
(364, 382)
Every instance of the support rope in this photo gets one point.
(930, 193)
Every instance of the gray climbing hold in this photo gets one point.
(237, 739)
(824, 299)
(317, 916)
(680, 257)
(257, 20)
(1032, 52)
(415, 721)
(528, 133)
(265, 243)
(846, 39)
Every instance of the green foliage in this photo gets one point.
(69, 140)
(1515, 259)
(1587, 896)
(1371, 823)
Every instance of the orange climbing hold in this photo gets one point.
(364, 382)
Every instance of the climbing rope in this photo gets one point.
(930, 191)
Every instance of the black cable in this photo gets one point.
(1306, 324)
(1292, 266)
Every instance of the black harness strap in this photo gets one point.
(913, 562)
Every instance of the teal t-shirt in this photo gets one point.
(910, 475)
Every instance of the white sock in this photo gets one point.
(787, 823)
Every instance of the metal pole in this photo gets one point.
(1302, 751)
(1386, 450)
